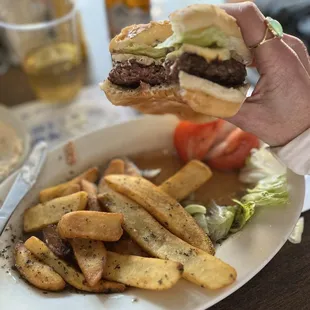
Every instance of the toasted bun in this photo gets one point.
(200, 16)
(154, 100)
(206, 97)
(141, 35)
(199, 101)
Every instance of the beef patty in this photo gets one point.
(131, 73)
(230, 73)
(227, 73)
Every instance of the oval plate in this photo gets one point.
(248, 251)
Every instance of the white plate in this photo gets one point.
(248, 251)
(8, 118)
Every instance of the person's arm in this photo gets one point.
(278, 111)
(296, 154)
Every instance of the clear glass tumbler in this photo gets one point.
(43, 34)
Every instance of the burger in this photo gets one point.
(193, 66)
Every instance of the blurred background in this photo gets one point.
(53, 54)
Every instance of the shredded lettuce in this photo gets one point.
(145, 51)
(195, 208)
(296, 235)
(211, 36)
(215, 220)
(270, 191)
(245, 210)
(200, 219)
(219, 221)
(259, 165)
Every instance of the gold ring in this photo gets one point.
(274, 27)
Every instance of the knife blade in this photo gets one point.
(24, 181)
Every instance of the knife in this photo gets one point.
(24, 182)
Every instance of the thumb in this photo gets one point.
(249, 111)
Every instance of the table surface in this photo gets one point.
(284, 284)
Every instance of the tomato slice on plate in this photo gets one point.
(193, 141)
(233, 151)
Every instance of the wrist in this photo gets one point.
(295, 154)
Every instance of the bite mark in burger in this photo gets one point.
(193, 66)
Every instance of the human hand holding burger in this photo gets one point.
(279, 108)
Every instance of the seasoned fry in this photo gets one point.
(35, 272)
(50, 212)
(68, 273)
(126, 247)
(92, 190)
(199, 267)
(91, 256)
(91, 225)
(187, 180)
(116, 166)
(50, 193)
(71, 189)
(58, 246)
(142, 272)
(163, 207)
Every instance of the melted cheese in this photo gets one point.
(207, 53)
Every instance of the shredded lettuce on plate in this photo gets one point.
(245, 210)
(215, 220)
(219, 221)
(259, 165)
(270, 191)
(296, 235)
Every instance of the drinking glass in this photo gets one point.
(43, 34)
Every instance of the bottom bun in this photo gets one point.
(206, 97)
(165, 99)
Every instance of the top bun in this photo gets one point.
(141, 35)
(202, 16)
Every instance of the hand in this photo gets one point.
(279, 108)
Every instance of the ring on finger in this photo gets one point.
(272, 26)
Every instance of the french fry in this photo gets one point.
(35, 272)
(92, 190)
(126, 247)
(50, 193)
(91, 256)
(50, 212)
(142, 272)
(163, 207)
(71, 189)
(199, 267)
(116, 166)
(60, 247)
(91, 225)
(68, 273)
(187, 180)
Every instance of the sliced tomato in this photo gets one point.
(193, 141)
(233, 151)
